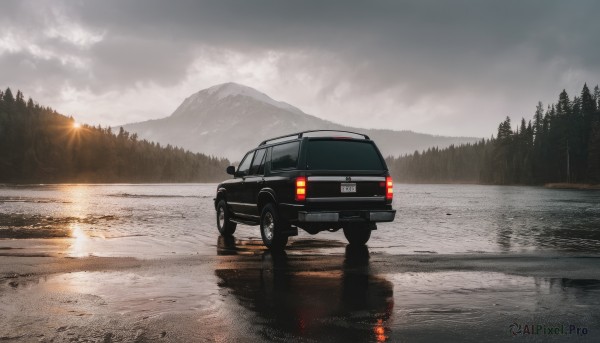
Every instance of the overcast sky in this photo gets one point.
(441, 67)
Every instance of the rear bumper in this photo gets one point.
(372, 216)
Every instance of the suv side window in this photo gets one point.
(285, 156)
(245, 165)
(258, 165)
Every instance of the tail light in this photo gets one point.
(300, 188)
(389, 188)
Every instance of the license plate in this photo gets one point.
(348, 188)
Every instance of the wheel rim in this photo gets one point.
(268, 226)
(221, 217)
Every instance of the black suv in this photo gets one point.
(314, 180)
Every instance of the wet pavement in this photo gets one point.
(244, 293)
(120, 271)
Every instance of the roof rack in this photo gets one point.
(303, 133)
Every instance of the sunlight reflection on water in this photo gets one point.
(79, 199)
(79, 248)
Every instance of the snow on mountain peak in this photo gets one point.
(231, 88)
(228, 89)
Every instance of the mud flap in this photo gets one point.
(293, 231)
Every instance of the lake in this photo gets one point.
(147, 220)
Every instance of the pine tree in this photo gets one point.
(588, 104)
(502, 153)
(538, 118)
(20, 99)
(8, 97)
(563, 107)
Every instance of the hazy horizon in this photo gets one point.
(440, 68)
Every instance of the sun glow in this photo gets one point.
(76, 125)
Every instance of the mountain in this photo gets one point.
(229, 119)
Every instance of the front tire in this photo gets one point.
(357, 234)
(224, 224)
(271, 228)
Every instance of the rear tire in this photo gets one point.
(357, 234)
(271, 228)
(224, 224)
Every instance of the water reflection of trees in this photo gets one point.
(564, 221)
(338, 300)
(574, 286)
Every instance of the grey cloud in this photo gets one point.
(399, 37)
(38, 73)
(424, 48)
(124, 60)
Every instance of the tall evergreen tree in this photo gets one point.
(8, 97)
(563, 107)
(538, 118)
(597, 96)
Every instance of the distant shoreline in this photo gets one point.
(571, 186)
(557, 185)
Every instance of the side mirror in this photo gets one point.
(231, 170)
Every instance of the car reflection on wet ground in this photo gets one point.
(347, 303)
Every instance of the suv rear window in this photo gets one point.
(342, 155)
(285, 156)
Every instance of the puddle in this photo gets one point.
(18, 225)
(254, 246)
(128, 195)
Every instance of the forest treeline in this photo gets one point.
(39, 145)
(561, 144)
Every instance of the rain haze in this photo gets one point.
(448, 68)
